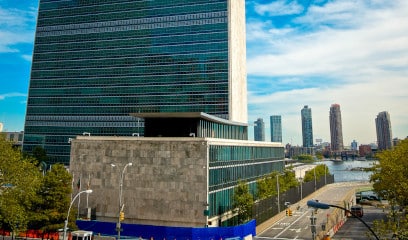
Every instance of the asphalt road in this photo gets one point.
(354, 229)
(298, 226)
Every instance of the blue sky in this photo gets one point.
(313, 52)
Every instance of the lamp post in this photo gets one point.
(315, 204)
(118, 227)
(278, 190)
(314, 173)
(69, 209)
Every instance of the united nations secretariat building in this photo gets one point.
(146, 102)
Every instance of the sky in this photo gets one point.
(307, 52)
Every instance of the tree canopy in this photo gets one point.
(243, 201)
(19, 182)
(390, 174)
(267, 187)
(29, 199)
(390, 182)
(320, 170)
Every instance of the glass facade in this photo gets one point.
(276, 128)
(95, 62)
(259, 130)
(307, 127)
(230, 164)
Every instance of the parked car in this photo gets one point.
(357, 210)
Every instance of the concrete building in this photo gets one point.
(259, 130)
(365, 150)
(276, 128)
(384, 131)
(15, 137)
(307, 127)
(173, 179)
(94, 64)
(336, 129)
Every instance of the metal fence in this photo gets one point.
(267, 208)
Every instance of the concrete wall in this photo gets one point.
(238, 106)
(166, 185)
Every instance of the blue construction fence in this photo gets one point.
(170, 233)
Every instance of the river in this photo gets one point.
(343, 173)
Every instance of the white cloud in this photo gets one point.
(356, 56)
(27, 57)
(16, 26)
(279, 8)
(11, 94)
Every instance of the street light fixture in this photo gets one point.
(69, 209)
(118, 227)
(315, 204)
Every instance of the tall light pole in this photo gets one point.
(122, 174)
(69, 209)
(278, 190)
(314, 173)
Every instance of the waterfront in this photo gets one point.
(343, 172)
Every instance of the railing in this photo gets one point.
(267, 208)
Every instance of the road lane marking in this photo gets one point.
(276, 237)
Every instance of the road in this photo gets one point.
(355, 229)
(298, 226)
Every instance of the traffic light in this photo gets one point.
(287, 212)
(122, 216)
(290, 212)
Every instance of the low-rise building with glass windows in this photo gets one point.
(181, 176)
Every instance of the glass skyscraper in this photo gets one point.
(307, 127)
(276, 128)
(95, 62)
(384, 131)
(336, 129)
(259, 130)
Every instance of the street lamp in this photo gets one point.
(118, 227)
(278, 190)
(315, 204)
(69, 209)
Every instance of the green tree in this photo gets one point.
(390, 181)
(51, 210)
(390, 174)
(305, 158)
(243, 202)
(319, 155)
(19, 182)
(320, 170)
(40, 154)
(267, 186)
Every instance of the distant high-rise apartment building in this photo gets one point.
(276, 128)
(384, 132)
(336, 130)
(1, 127)
(95, 63)
(354, 145)
(307, 128)
(259, 130)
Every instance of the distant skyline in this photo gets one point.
(316, 53)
